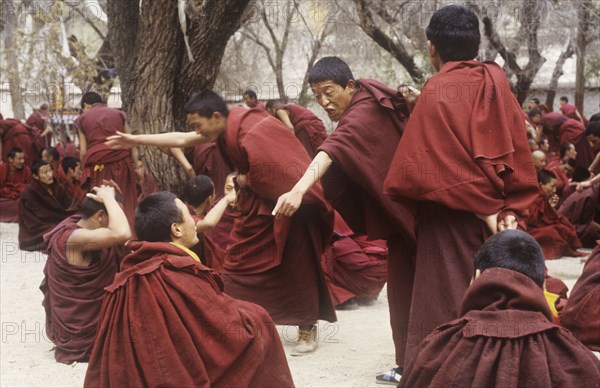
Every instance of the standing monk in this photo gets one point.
(353, 162)
(101, 162)
(465, 161)
(272, 262)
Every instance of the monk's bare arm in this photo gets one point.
(285, 118)
(135, 155)
(168, 139)
(82, 145)
(177, 153)
(595, 163)
(289, 203)
(214, 215)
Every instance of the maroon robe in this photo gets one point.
(40, 211)
(582, 313)
(11, 187)
(308, 127)
(561, 129)
(69, 150)
(15, 134)
(165, 321)
(555, 234)
(37, 125)
(504, 338)
(73, 294)
(464, 151)
(209, 161)
(102, 162)
(210, 253)
(582, 210)
(74, 189)
(147, 187)
(275, 262)
(362, 147)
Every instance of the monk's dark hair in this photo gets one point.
(581, 174)
(571, 162)
(593, 129)
(514, 250)
(198, 189)
(564, 147)
(36, 165)
(454, 31)
(91, 98)
(53, 152)
(89, 207)
(205, 103)
(536, 100)
(272, 104)
(330, 69)
(595, 117)
(44, 107)
(13, 152)
(545, 176)
(250, 93)
(69, 162)
(564, 98)
(534, 112)
(154, 216)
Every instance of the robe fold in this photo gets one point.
(11, 187)
(582, 313)
(165, 321)
(41, 208)
(555, 234)
(582, 209)
(15, 134)
(464, 152)
(308, 127)
(73, 294)
(275, 262)
(504, 337)
(209, 161)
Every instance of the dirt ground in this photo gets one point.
(350, 353)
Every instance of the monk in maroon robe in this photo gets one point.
(582, 313)
(101, 162)
(465, 165)
(14, 177)
(560, 129)
(15, 135)
(209, 161)
(220, 233)
(165, 320)
(69, 174)
(84, 252)
(582, 209)
(553, 232)
(44, 203)
(504, 336)
(37, 121)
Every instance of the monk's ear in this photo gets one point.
(351, 85)
(176, 230)
(432, 49)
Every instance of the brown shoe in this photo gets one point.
(307, 342)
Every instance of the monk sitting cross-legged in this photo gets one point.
(14, 177)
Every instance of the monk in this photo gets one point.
(504, 335)
(100, 162)
(592, 133)
(44, 203)
(353, 162)
(13, 134)
(84, 252)
(251, 100)
(221, 232)
(570, 110)
(69, 174)
(165, 320)
(272, 262)
(582, 313)
(51, 155)
(533, 126)
(307, 127)
(539, 160)
(560, 129)
(582, 209)
(477, 181)
(14, 177)
(38, 121)
(553, 232)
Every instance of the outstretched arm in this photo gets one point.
(169, 139)
(178, 154)
(290, 202)
(214, 215)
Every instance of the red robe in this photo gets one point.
(210, 161)
(464, 151)
(504, 337)
(582, 210)
(308, 127)
(147, 187)
(40, 211)
(17, 135)
(582, 313)
(37, 125)
(275, 262)
(73, 294)
(562, 180)
(69, 150)
(11, 187)
(560, 129)
(555, 234)
(165, 321)
(74, 189)
(101, 161)
(211, 254)
(362, 147)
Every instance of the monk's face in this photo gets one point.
(229, 185)
(47, 157)
(571, 153)
(539, 161)
(210, 127)
(544, 145)
(594, 141)
(17, 162)
(532, 104)
(75, 173)
(187, 235)
(250, 101)
(536, 119)
(549, 188)
(45, 175)
(333, 97)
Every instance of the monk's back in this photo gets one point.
(100, 122)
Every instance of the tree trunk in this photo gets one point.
(157, 77)
(553, 85)
(12, 66)
(583, 11)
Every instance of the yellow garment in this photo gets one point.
(188, 251)
(551, 299)
(98, 167)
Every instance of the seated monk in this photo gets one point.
(553, 232)
(84, 252)
(44, 204)
(51, 155)
(582, 313)
(165, 320)
(13, 134)
(69, 173)
(14, 176)
(504, 336)
(220, 233)
(199, 193)
(582, 209)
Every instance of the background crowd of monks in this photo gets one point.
(406, 190)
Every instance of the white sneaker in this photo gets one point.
(307, 342)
